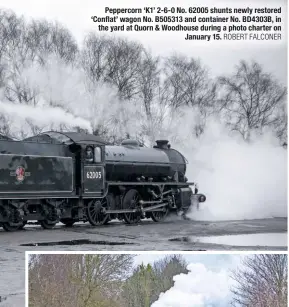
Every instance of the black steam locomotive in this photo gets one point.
(72, 177)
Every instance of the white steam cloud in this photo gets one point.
(55, 94)
(97, 105)
(40, 115)
(241, 180)
(199, 288)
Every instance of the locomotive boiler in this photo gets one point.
(71, 177)
(131, 162)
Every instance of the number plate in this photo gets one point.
(93, 175)
(93, 179)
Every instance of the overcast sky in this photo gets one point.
(220, 58)
(212, 261)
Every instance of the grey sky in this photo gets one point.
(211, 261)
(220, 58)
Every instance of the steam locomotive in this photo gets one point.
(71, 177)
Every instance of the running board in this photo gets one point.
(140, 210)
(150, 183)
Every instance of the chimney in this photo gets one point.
(162, 144)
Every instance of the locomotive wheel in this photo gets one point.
(23, 225)
(14, 218)
(67, 222)
(130, 201)
(158, 216)
(95, 215)
(51, 217)
(6, 226)
(46, 224)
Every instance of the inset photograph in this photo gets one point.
(156, 280)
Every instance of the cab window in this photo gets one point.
(89, 154)
(97, 154)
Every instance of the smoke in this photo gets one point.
(200, 287)
(44, 97)
(241, 180)
(68, 87)
(44, 116)
(61, 94)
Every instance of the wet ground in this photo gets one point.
(268, 239)
(178, 235)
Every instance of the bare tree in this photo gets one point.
(44, 38)
(124, 58)
(261, 282)
(187, 83)
(25, 45)
(77, 280)
(115, 61)
(5, 126)
(11, 31)
(18, 90)
(149, 81)
(94, 56)
(250, 99)
(280, 125)
(11, 37)
(49, 283)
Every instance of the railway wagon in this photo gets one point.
(71, 177)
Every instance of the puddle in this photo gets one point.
(76, 242)
(259, 239)
(181, 239)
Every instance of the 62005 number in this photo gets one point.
(93, 175)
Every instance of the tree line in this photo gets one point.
(249, 99)
(111, 280)
(99, 280)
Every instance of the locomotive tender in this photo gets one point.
(70, 177)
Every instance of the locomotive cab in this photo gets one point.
(93, 174)
(89, 164)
